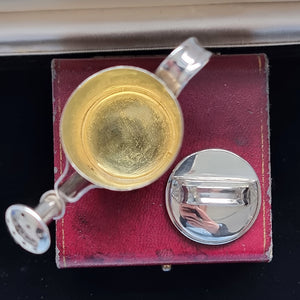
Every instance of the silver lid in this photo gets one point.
(213, 196)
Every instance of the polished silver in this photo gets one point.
(213, 196)
(43, 27)
(29, 226)
(182, 64)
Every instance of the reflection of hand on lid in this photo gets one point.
(196, 216)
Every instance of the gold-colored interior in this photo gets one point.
(121, 129)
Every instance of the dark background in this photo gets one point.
(26, 164)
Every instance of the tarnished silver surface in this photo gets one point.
(34, 27)
(213, 196)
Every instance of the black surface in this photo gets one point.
(26, 164)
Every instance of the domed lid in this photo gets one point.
(213, 196)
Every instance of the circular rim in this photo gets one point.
(195, 238)
(22, 235)
(83, 174)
